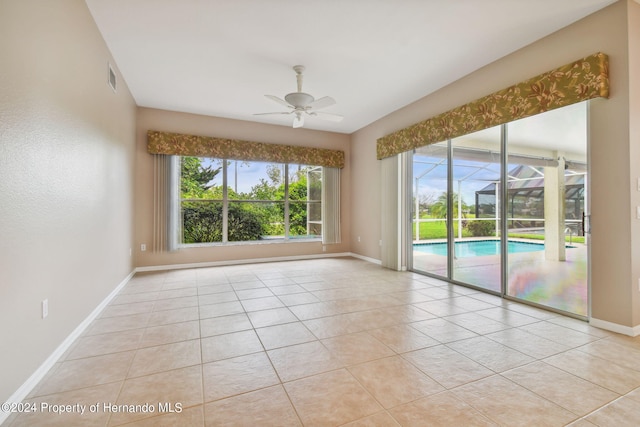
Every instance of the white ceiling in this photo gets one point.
(220, 57)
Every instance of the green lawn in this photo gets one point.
(438, 230)
(575, 239)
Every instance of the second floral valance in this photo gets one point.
(578, 81)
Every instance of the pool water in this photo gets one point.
(473, 248)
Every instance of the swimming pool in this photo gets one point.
(473, 248)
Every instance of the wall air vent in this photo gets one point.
(112, 78)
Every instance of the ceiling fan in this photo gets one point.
(301, 104)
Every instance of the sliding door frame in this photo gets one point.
(504, 227)
(503, 208)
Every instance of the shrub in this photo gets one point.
(481, 228)
(202, 223)
(244, 224)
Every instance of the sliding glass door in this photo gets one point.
(430, 200)
(475, 214)
(505, 210)
(547, 176)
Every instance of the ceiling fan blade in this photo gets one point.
(270, 114)
(324, 102)
(279, 101)
(298, 121)
(327, 116)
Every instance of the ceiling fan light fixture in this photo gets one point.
(299, 99)
(301, 103)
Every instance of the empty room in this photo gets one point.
(330, 213)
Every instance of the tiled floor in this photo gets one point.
(532, 277)
(334, 342)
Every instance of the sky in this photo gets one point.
(248, 173)
(435, 181)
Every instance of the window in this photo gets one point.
(237, 201)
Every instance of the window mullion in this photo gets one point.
(286, 201)
(450, 236)
(225, 203)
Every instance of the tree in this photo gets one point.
(273, 189)
(298, 211)
(195, 179)
(439, 208)
(425, 200)
(264, 191)
(274, 172)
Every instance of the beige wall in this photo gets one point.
(634, 157)
(66, 173)
(613, 163)
(150, 119)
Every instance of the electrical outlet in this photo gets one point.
(45, 308)
(143, 247)
(324, 248)
(358, 238)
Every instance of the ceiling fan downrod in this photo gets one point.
(299, 69)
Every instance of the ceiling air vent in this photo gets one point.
(112, 78)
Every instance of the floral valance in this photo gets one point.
(233, 149)
(578, 81)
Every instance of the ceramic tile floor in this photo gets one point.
(335, 342)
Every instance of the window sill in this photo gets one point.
(272, 241)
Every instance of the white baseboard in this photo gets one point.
(42, 370)
(246, 261)
(632, 331)
(37, 376)
(366, 258)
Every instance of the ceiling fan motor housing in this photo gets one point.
(299, 99)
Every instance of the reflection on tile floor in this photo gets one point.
(531, 277)
(333, 342)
